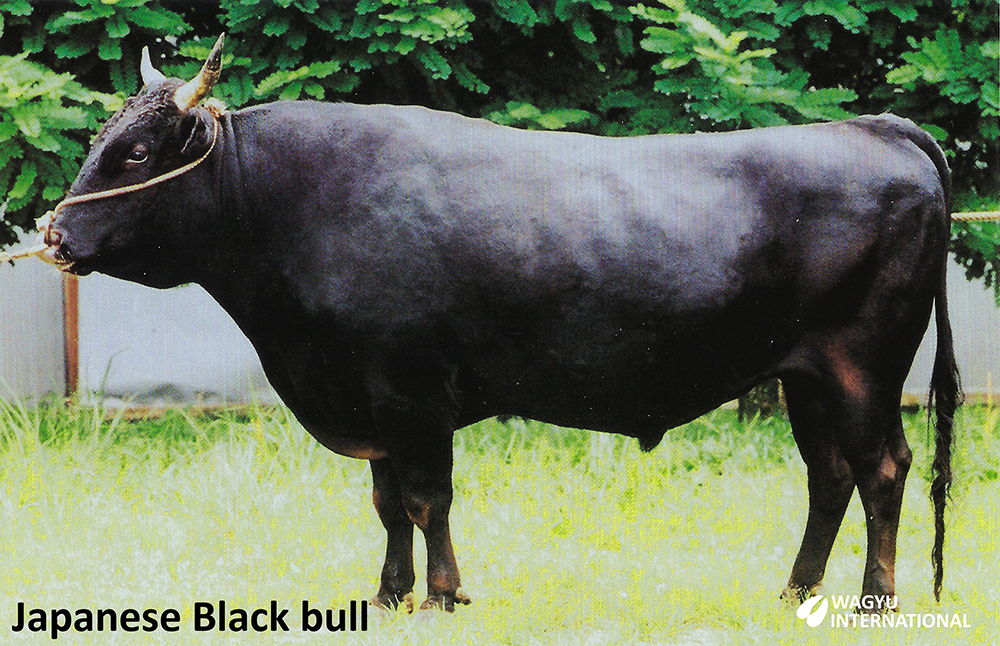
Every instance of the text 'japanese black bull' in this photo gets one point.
(403, 273)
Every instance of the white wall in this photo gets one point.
(31, 330)
(975, 324)
(153, 346)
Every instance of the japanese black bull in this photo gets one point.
(403, 273)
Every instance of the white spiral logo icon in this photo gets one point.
(813, 610)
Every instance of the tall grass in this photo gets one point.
(563, 537)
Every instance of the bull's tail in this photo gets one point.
(945, 396)
(945, 389)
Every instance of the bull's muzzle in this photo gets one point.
(52, 239)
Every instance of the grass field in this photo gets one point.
(562, 537)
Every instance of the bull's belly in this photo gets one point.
(608, 371)
(631, 400)
(634, 386)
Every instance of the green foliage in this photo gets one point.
(723, 84)
(95, 38)
(592, 65)
(977, 249)
(525, 115)
(41, 117)
(955, 81)
(962, 73)
(290, 49)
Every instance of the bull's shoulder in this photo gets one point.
(386, 131)
(376, 116)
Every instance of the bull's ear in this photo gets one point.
(195, 132)
(191, 93)
(149, 73)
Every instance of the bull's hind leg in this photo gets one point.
(831, 485)
(880, 465)
(854, 418)
(396, 584)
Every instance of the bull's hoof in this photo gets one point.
(390, 601)
(445, 601)
(795, 595)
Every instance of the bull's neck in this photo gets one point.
(234, 263)
(232, 210)
(219, 261)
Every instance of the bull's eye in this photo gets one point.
(138, 154)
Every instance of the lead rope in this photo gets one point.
(44, 223)
(976, 216)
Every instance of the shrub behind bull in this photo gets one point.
(404, 272)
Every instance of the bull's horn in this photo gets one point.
(149, 73)
(192, 92)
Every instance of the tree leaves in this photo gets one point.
(104, 29)
(41, 113)
(525, 115)
(289, 84)
(961, 72)
(712, 72)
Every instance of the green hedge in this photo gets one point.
(590, 65)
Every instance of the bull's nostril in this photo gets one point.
(53, 237)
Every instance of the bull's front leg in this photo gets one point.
(396, 585)
(416, 480)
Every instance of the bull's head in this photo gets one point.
(134, 233)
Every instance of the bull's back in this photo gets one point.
(613, 283)
(691, 218)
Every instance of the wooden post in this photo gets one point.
(71, 333)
